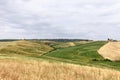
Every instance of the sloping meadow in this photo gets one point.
(28, 48)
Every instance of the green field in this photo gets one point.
(83, 53)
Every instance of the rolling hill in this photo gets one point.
(51, 61)
(83, 52)
(111, 51)
(28, 48)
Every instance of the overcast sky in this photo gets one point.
(84, 19)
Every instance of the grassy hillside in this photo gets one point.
(42, 70)
(58, 45)
(37, 67)
(28, 48)
(83, 52)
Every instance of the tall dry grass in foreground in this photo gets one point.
(36, 70)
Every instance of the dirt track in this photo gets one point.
(110, 51)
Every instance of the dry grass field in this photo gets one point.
(23, 47)
(111, 51)
(43, 70)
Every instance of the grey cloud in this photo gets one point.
(60, 19)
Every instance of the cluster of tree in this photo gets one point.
(56, 40)
(111, 40)
(7, 40)
(64, 40)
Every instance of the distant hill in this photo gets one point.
(65, 40)
(23, 47)
(55, 40)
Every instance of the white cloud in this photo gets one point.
(93, 19)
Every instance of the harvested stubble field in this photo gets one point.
(11, 69)
(110, 51)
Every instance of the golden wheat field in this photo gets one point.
(43, 70)
(110, 51)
